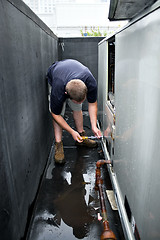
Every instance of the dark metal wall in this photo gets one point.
(124, 9)
(84, 49)
(27, 48)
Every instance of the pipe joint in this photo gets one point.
(107, 233)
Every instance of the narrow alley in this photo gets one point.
(68, 205)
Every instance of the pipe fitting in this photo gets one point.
(102, 162)
(107, 233)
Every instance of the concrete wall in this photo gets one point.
(27, 48)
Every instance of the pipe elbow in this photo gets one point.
(100, 163)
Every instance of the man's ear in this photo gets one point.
(67, 95)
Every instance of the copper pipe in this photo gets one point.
(107, 233)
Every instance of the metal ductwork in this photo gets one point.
(127, 9)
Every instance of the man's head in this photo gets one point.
(77, 90)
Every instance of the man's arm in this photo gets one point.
(60, 120)
(92, 108)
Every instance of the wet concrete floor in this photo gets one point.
(68, 205)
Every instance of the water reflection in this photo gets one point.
(72, 198)
(67, 208)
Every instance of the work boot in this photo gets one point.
(87, 142)
(59, 153)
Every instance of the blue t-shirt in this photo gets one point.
(60, 73)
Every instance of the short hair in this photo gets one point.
(76, 89)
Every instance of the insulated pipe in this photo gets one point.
(107, 233)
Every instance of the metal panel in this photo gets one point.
(124, 9)
(27, 48)
(85, 50)
(137, 143)
(106, 122)
(102, 78)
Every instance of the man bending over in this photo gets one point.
(72, 82)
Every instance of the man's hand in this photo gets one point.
(77, 137)
(92, 107)
(60, 120)
(97, 132)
